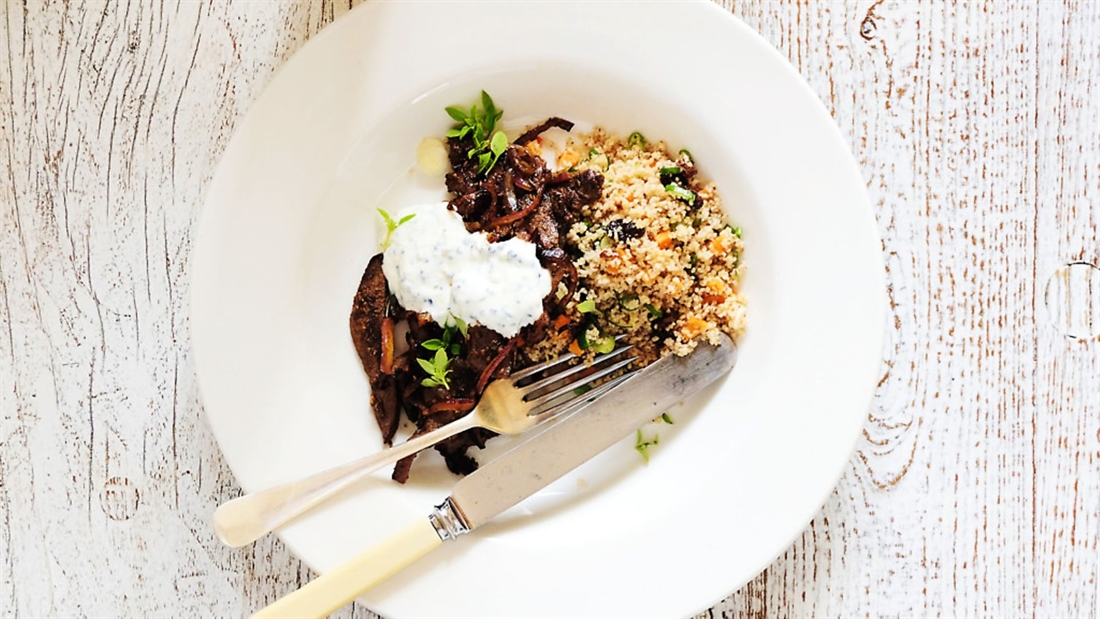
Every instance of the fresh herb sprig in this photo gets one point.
(454, 326)
(642, 445)
(479, 124)
(392, 225)
(437, 368)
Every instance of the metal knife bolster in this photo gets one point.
(566, 444)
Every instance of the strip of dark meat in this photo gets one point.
(537, 130)
(452, 405)
(368, 312)
(494, 365)
(518, 215)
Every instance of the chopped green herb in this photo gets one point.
(671, 170)
(642, 445)
(434, 344)
(593, 153)
(635, 140)
(629, 302)
(736, 231)
(392, 225)
(665, 418)
(604, 345)
(687, 153)
(653, 311)
(437, 369)
(587, 306)
(454, 350)
(694, 260)
(680, 192)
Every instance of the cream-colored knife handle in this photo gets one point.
(327, 593)
(245, 519)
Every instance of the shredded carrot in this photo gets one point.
(719, 245)
(561, 321)
(575, 348)
(693, 327)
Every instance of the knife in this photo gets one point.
(516, 475)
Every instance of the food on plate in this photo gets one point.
(551, 242)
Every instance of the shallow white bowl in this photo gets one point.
(290, 223)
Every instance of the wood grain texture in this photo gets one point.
(974, 491)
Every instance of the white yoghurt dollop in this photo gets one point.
(434, 265)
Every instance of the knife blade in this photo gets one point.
(517, 474)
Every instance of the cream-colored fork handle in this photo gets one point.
(245, 519)
(339, 586)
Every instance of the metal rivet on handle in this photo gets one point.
(1072, 299)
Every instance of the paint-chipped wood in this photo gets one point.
(974, 491)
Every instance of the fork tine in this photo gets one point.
(535, 369)
(553, 378)
(570, 406)
(579, 383)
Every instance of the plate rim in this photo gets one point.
(866, 207)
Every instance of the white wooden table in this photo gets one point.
(974, 491)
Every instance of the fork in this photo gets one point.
(508, 406)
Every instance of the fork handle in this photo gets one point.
(338, 587)
(245, 519)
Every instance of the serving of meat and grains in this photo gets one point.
(545, 246)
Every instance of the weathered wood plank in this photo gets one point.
(975, 489)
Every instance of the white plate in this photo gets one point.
(289, 225)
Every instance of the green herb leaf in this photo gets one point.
(671, 170)
(587, 306)
(592, 153)
(478, 123)
(454, 350)
(653, 311)
(392, 225)
(462, 326)
(456, 113)
(665, 418)
(642, 445)
(687, 153)
(694, 260)
(680, 193)
(433, 345)
(635, 140)
(736, 231)
(426, 366)
(430, 382)
(440, 361)
(498, 143)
